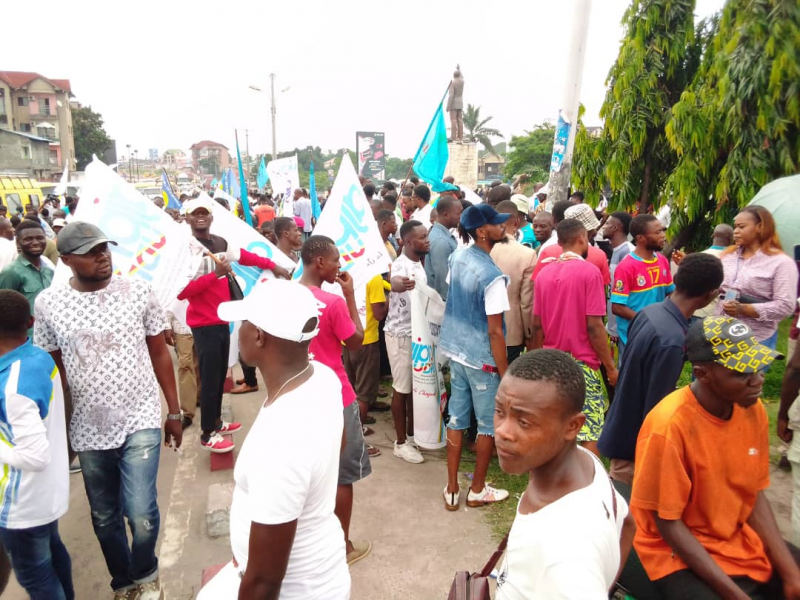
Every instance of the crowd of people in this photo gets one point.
(566, 330)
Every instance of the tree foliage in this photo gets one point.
(531, 153)
(89, 136)
(397, 168)
(657, 58)
(737, 125)
(476, 128)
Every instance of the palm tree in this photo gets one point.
(476, 128)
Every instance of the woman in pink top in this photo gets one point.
(760, 282)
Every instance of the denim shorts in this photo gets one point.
(472, 389)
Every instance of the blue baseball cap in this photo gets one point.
(480, 215)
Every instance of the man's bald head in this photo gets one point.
(723, 235)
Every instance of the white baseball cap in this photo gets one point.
(278, 307)
(201, 202)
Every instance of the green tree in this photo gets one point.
(89, 136)
(530, 153)
(658, 58)
(397, 168)
(476, 128)
(737, 126)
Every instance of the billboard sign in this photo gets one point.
(371, 151)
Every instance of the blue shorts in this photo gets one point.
(472, 389)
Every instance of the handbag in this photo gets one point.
(475, 586)
(233, 287)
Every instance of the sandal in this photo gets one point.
(366, 430)
(368, 420)
(379, 406)
(373, 451)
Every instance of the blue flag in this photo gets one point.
(263, 177)
(316, 209)
(243, 187)
(234, 184)
(170, 201)
(431, 159)
(214, 183)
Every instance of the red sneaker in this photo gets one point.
(217, 444)
(226, 427)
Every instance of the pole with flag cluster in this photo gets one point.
(243, 186)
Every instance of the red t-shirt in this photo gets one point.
(596, 257)
(335, 326)
(265, 213)
(565, 294)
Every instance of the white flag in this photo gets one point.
(284, 176)
(348, 221)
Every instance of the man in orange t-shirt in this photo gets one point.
(264, 211)
(705, 529)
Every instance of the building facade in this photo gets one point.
(38, 106)
(210, 157)
(24, 155)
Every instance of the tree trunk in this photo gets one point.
(644, 195)
(687, 233)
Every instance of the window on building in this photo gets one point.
(54, 157)
(26, 151)
(43, 132)
(44, 106)
(25, 127)
(22, 101)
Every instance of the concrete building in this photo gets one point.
(24, 155)
(213, 156)
(36, 105)
(490, 164)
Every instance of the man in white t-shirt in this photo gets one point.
(287, 543)
(572, 530)
(407, 270)
(421, 201)
(33, 457)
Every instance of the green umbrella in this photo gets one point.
(782, 198)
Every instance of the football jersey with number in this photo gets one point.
(639, 283)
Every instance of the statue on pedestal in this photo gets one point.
(455, 106)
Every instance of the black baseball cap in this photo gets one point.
(730, 343)
(479, 215)
(80, 238)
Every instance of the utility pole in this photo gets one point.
(560, 178)
(272, 97)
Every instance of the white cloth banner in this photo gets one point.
(429, 392)
(348, 221)
(284, 176)
(150, 244)
(241, 236)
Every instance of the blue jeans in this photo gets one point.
(122, 482)
(40, 560)
(472, 389)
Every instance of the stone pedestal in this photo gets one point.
(218, 509)
(463, 164)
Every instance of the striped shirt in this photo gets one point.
(771, 277)
(639, 283)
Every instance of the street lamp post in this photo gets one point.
(130, 163)
(273, 111)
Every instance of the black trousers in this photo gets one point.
(248, 373)
(213, 345)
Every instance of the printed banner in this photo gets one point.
(150, 244)
(348, 221)
(284, 176)
(560, 143)
(430, 395)
(371, 152)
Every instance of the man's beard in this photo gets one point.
(503, 240)
(654, 248)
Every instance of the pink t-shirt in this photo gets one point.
(564, 321)
(335, 326)
(596, 257)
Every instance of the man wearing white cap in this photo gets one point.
(285, 538)
(205, 292)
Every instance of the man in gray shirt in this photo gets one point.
(302, 209)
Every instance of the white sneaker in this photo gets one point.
(451, 500)
(408, 452)
(150, 591)
(487, 496)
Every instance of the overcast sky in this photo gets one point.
(165, 74)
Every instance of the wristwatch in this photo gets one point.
(171, 417)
